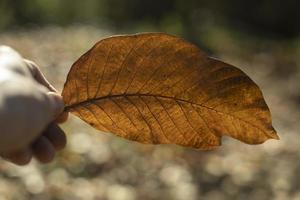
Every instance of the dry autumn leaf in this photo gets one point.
(159, 89)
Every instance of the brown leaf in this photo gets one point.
(159, 89)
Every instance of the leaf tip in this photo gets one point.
(273, 135)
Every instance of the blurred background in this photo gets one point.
(262, 37)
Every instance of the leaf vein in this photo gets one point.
(172, 120)
(103, 71)
(134, 73)
(148, 125)
(161, 128)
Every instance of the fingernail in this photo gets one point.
(57, 103)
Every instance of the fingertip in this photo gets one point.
(56, 103)
(63, 117)
(43, 150)
(56, 136)
(21, 157)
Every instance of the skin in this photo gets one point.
(30, 110)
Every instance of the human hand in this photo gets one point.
(30, 109)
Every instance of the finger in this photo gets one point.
(56, 136)
(21, 157)
(62, 118)
(56, 104)
(43, 150)
(38, 75)
(40, 78)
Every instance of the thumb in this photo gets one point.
(56, 104)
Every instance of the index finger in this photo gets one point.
(40, 78)
(38, 75)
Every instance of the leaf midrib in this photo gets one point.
(88, 101)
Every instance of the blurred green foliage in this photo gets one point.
(267, 18)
